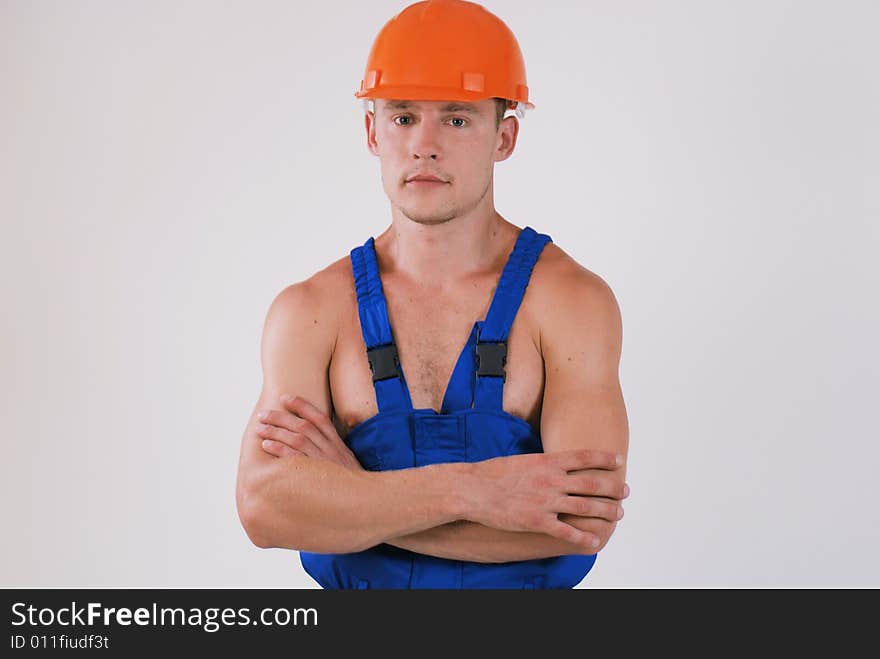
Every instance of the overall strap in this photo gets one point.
(493, 332)
(391, 390)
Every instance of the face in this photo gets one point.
(454, 141)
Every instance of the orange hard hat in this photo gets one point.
(441, 50)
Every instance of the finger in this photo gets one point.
(309, 412)
(625, 492)
(297, 425)
(594, 484)
(351, 462)
(331, 443)
(279, 449)
(294, 440)
(584, 539)
(591, 507)
(307, 419)
(600, 527)
(586, 459)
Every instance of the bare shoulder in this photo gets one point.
(319, 299)
(566, 296)
(558, 273)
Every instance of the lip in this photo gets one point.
(425, 178)
(425, 183)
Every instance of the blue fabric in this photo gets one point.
(470, 427)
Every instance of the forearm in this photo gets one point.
(319, 506)
(469, 541)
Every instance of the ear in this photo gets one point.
(370, 125)
(508, 131)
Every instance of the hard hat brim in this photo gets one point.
(410, 93)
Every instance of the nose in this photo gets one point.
(425, 144)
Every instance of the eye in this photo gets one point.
(409, 120)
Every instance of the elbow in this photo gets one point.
(275, 517)
(264, 535)
(267, 528)
(256, 516)
(249, 514)
(256, 533)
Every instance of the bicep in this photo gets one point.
(583, 405)
(295, 350)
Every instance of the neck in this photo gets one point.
(440, 255)
(436, 256)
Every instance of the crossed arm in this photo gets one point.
(566, 506)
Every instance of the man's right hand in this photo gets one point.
(529, 492)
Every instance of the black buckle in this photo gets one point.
(384, 362)
(491, 359)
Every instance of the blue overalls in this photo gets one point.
(471, 426)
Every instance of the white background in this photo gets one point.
(166, 168)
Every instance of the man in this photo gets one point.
(422, 449)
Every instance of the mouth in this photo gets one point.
(424, 178)
(425, 183)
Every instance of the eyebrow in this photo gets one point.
(449, 107)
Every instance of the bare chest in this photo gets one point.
(430, 331)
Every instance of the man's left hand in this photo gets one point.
(300, 428)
